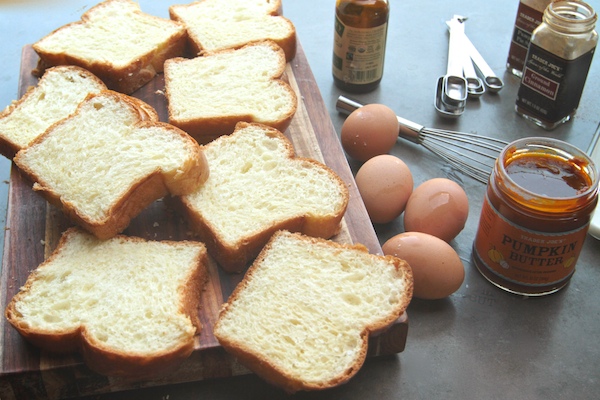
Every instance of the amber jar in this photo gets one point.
(529, 17)
(557, 63)
(539, 201)
(359, 44)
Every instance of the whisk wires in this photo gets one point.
(469, 153)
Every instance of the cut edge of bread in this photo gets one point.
(288, 43)
(141, 192)
(40, 93)
(103, 359)
(287, 378)
(206, 128)
(235, 256)
(126, 78)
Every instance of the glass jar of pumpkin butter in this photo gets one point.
(538, 205)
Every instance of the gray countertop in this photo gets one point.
(480, 342)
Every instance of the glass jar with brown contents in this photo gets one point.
(557, 63)
(529, 17)
(539, 201)
(359, 44)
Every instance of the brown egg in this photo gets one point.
(369, 131)
(437, 269)
(439, 207)
(385, 184)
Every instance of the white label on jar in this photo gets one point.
(358, 54)
(552, 86)
(524, 256)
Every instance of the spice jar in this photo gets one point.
(538, 205)
(359, 44)
(557, 63)
(529, 17)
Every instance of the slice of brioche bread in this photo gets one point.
(128, 305)
(106, 162)
(256, 187)
(56, 96)
(215, 25)
(302, 315)
(117, 42)
(208, 95)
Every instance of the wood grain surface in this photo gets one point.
(33, 228)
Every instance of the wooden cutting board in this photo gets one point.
(33, 228)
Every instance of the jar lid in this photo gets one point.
(571, 16)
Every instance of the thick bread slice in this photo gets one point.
(56, 96)
(256, 187)
(117, 42)
(302, 315)
(208, 95)
(128, 305)
(215, 25)
(106, 162)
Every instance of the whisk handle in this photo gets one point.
(345, 105)
(408, 129)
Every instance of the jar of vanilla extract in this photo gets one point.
(539, 201)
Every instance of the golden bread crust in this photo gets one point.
(205, 128)
(291, 381)
(97, 355)
(8, 147)
(125, 79)
(234, 257)
(196, 46)
(142, 191)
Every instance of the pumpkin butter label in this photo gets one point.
(523, 256)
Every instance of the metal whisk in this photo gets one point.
(472, 154)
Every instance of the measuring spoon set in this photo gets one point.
(467, 74)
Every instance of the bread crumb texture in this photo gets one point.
(57, 95)
(241, 83)
(114, 32)
(255, 182)
(216, 24)
(93, 158)
(305, 304)
(123, 293)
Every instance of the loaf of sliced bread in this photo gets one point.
(117, 42)
(256, 187)
(215, 25)
(108, 161)
(208, 95)
(128, 305)
(302, 315)
(56, 96)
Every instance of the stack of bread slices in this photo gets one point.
(102, 156)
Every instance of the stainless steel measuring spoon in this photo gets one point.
(451, 90)
(443, 108)
(493, 82)
(475, 85)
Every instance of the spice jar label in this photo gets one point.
(551, 87)
(527, 20)
(523, 256)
